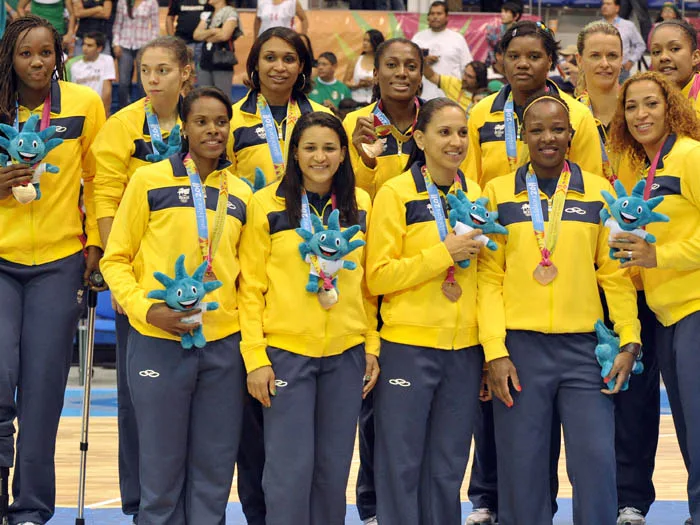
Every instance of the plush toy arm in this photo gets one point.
(492, 245)
(464, 264)
(3, 160)
(304, 249)
(349, 265)
(157, 294)
(353, 245)
(260, 181)
(212, 306)
(604, 215)
(51, 168)
(650, 238)
(212, 285)
(9, 132)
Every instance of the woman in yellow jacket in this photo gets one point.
(427, 397)
(538, 304)
(658, 130)
(42, 267)
(126, 142)
(673, 45)
(309, 353)
(188, 402)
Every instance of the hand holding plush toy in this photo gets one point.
(324, 249)
(629, 214)
(29, 148)
(466, 216)
(606, 352)
(185, 293)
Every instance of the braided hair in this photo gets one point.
(8, 76)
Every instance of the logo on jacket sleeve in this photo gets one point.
(526, 209)
(260, 131)
(183, 194)
(499, 130)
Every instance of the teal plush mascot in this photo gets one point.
(163, 150)
(185, 293)
(630, 213)
(259, 181)
(29, 147)
(606, 352)
(324, 249)
(466, 216)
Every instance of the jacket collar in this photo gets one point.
(146, 131)
(177, 162)
(575, 183)
(250, 104)
(665, 150)
(499, 102)
(55, 97)
(419, 181)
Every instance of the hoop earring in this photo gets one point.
(303, 82)
(255, 80)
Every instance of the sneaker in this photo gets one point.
(481, 517)
(28, 523)
(689, 521)
(630, 516)
(371, 521)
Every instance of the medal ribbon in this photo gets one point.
(152, 121)
(439, 213)
(208, 249)
(272, 135)
(608, 171)
(695, 88)
(306, 224)
(547, 242)
(511, 133)
(383, 126)
(652, 172)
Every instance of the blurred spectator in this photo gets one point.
(183, 18)
(215, 31)
(360, 76)
(94, 16)
(328, 90)
(93, 68)
(633, 45)
(669, 11)
(53, 11)
(511, 12)
(461, 90)
(276, 13)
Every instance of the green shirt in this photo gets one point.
(53, 13)
(334, 91)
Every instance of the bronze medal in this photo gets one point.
(545, 274)
(327, 298)
(451, 290)
(375, 149)
(209, 276)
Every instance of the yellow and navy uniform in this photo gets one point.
(119, 149)
(49, 229)
(509, 296)
(390, 163)
(487, 157)
(276, 309)
(247, 147)
(673, 287)
(452, 86)
(686, 93)
(155, 224)
(407, 264)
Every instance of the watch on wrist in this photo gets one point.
(633, 348)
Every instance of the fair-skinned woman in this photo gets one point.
(358, 77)
(279, 13)
(312, 377)
(189, 420)
(41, 256)
(215, 28)
(426, 401)
(656, 128)
(542, 363)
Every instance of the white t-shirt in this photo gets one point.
(271, 15)
(93, 74)
(454, 54)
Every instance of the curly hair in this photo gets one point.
(681, 118)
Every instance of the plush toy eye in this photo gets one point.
(194, 289)
(639, 209)
(20, 143)
(624, 204)
(35, 144)
(322, 238)
(473, 208)
(337, 243)
(179, 293)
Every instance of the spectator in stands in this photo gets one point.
(510, 13)
(633, 45)
(496, 73)
(94, 16)
(279, 13)
(215, 31)
(566, 76)
(460, 90)
(447, 50)
(53, 11)
(359, 77)
(187, 13)
(93, 68)
(136, 23)
(669, 11)
(328, 90)
(641, 10)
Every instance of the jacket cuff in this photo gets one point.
(255, 355)
(495, 349)
(372, 343)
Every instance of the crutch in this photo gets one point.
(96, 280)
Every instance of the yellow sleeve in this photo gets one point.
(93, 122)
(112, 149)
(471, 167)
(372, 341)
(254, 255)
(364, 177)
(388, 271)
(230, 155)
(490, 308)
(620, 293)
(585, 146)
(684, 255)
(117, 265)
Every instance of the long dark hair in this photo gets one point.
(8, 76)
(481, 73)
(379, 53)
(303, 84)
(343, 185)
(425, 116)
(376, 37)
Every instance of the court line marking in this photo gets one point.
(103, 503)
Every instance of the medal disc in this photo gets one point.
(451, 290)
(327, 298)
(375, 149)
(545, 274)
(209, 276)
(24, 194)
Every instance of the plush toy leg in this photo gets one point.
(4, 494)
(38, 190)
(464, 264)
(312, 285)
(198, 339)
(187, 341)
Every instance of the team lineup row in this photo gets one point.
(273, 374)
